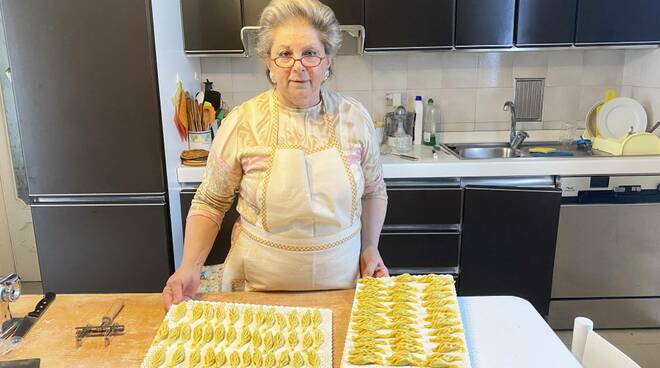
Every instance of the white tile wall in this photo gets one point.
(603, 67)
(389, 72)
(530, 65)
(247, 75)
(459, 70)
(641, 80)
(353, 73)
(457, 105)
(470, 88)
(219, 71)
(490, 102)
(564, 68)
(561, 103)
(495, 70)
(424, 70)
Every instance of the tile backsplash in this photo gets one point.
(470, 87)
(641, 81)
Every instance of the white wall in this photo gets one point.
(171, 62)
(641, 80)
(18, 249)
(470, 87)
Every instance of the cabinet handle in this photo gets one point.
(425, 270)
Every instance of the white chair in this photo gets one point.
(593, 351)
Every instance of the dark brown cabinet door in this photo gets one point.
(602, 22)
(484, 23)
(222, 242)
(423, 207)
(420, 252)
(211, 26)
(546, 22)
(348, 12)
(508, 243)
(412, 24)
(422, 227)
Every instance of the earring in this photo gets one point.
(327, 74)
(270, 76)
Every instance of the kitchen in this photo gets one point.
(470, 88)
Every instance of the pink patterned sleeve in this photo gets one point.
(374, 184)
(216, 193)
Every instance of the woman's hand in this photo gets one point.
(371, 264)
(182, 285)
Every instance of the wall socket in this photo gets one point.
(395, 99)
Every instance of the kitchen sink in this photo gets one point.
(488, 152)
(480, 151)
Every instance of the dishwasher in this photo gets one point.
(607, 261)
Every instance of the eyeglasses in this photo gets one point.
(306, 61)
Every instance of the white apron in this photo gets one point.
(308, 234)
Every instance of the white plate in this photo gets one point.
(618, 115)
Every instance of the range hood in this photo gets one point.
(352, 40)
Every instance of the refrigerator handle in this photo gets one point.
(98, 200)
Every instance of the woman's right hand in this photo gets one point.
(181, 286)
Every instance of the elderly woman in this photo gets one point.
(306, 164)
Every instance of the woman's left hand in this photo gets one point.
(371, 264)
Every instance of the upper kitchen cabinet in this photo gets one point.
(211, 27)
(413, 24)
(602, 22)
(348, 12)
(484, 23)
(546, 23)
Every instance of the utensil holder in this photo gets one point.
(200, 140)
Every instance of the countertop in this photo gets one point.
(501, 331)
(448, 166)
(52, 338)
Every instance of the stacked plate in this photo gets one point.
(616, 118)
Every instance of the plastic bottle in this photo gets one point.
(431, 118)
(419, 116)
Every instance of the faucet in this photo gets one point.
(516, 138)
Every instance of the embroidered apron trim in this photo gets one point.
(297, 248)
(273, 146)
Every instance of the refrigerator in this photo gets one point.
(85, 85)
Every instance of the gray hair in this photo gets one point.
(320, 16)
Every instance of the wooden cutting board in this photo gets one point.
(52, 337)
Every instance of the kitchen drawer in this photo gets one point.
(419, 250)
(423, 206)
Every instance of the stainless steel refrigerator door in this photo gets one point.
(103, 248)
(84, 79)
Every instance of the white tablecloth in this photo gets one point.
(507, 332)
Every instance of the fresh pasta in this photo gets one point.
(406, 321)
(214, 334)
